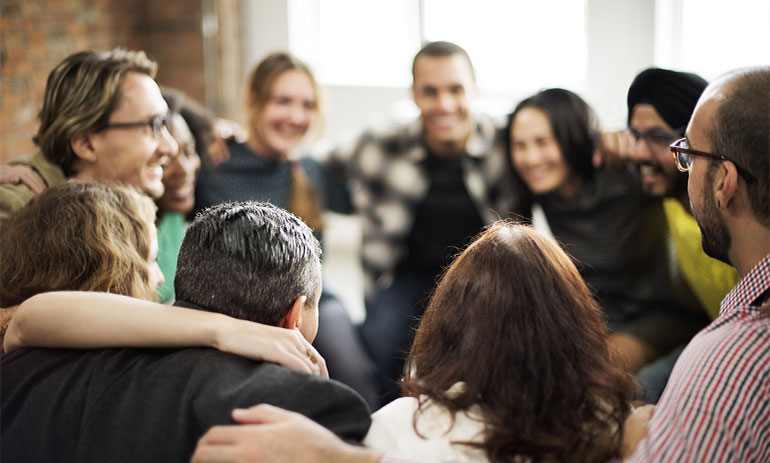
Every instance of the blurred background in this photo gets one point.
(361, 52)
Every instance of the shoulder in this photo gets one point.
(227, 382)
(393, 430)
(12, 198)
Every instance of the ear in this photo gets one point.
(726, 184)
(83, 148)
(293, 319)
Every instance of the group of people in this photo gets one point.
(521, 347)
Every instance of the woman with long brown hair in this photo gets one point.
(510, 362)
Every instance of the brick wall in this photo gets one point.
(35, 35)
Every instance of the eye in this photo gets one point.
(310, 105)
(281, 100)
(429, 91)
(457, 90)
(189, 150)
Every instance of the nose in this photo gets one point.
(159, 278)
(526, 155)
(446, 102)
(167, 146)
(299, 115)
(641, 150)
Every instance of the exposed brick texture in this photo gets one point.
(35, 35)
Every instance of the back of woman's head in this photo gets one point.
(573, 123)
(514, 321)
(78, 236)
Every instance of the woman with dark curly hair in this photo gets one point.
(510, 363)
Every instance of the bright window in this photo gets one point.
(515, 45)
(372, 42)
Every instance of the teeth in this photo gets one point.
(646, 169)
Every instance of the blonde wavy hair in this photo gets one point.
(80, 236)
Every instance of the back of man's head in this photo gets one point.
(741, 132)
(442, 50)
(673, 94)
(80, 95)
(248, 260)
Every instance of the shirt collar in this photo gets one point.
(753, 285)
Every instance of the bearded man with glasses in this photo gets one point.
(660, 104)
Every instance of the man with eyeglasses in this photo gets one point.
(103, 118)
(660, 103)
(716, 406)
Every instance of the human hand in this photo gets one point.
(271, 344)
(615, 149)
(17, 173)
(224, 130)
(635, 429)
(276, 435)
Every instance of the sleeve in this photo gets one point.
(12, 198)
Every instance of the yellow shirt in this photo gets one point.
(708, 278)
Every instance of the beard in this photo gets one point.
(714, 236)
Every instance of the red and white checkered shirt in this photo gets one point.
(716, 406)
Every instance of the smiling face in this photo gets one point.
(537, 156)
(131, 155)
(442, 89)
(286, 116)
(660, 176)
(181, 172)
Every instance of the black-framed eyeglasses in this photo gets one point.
(157, 124)
(656, 139)
(683, 158)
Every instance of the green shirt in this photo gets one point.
(170, 233)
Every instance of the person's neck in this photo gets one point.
(259, 149)
(445, 149)
(750, 243)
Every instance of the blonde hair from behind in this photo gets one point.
(79, 236)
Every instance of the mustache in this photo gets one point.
(649, 167)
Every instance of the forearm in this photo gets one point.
(91, 320)
(87, 320)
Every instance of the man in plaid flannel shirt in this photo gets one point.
(423, 191)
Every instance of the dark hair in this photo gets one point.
(80, 95)
(198, 118)
(440, 50)
(573, 123)
(248, 260)
(78, 236)
(514, 302)
(741, 132)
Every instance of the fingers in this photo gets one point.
(14, 174)
(258, 414)
(615, 149)
(320, 363)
